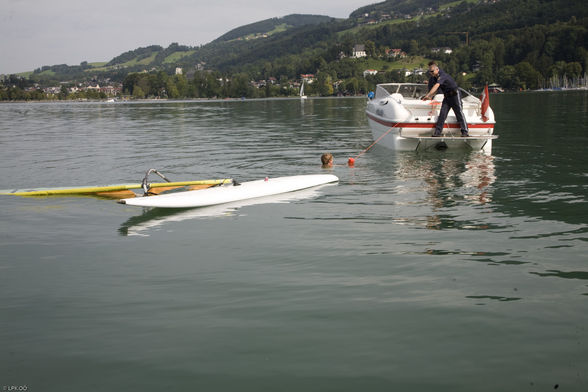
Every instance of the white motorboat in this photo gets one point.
(401, 121)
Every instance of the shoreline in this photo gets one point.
(144, 100)
(296, 98)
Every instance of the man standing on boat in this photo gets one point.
(440, 80)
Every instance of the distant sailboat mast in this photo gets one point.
(302, 96)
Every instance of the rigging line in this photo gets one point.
(377, 140)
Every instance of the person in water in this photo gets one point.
(327, 160)
(440, 80)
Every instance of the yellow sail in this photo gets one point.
(104, 190)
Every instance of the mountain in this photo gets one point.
(399, 8)
(540, 32)
(241, 41)
(271, 26)
(518, 43)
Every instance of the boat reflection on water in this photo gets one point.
(152, 218)
(478, 176)
(451, 180)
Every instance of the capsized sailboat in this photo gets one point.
(186, 194)
(233, 192)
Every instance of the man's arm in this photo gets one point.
(431, 93)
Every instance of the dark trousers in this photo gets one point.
(451, 102)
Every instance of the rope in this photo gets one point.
(377, 140)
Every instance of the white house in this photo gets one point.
(359, 51)
(394, 53)
(416, 71)
(444, 50)
(307, 78)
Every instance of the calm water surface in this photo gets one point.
(417, 272)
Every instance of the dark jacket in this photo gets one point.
(446, 83)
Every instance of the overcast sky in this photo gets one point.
(34, 33)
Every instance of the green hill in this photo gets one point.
(272, 26)
(518, 43)
(399, 8)
(429, 26)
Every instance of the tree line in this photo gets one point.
(519, 45)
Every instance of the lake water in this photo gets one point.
(437, 271)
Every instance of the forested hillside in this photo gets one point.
(520, 44)
(273, 25)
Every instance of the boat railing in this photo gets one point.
(415, 91)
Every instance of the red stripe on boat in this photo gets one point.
(426, 125)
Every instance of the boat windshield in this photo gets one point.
(407, 90)
(410, 90)
(413, 90)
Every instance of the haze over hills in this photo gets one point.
(518, 43)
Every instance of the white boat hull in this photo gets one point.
(400, 121)
(231, 193)
(411, 136)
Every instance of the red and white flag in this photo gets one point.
(485, 103)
